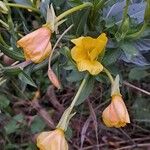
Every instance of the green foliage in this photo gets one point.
(87, 89)
(126, 54)
(14, 124)
(37, 125)
(138, 73)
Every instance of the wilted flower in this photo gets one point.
(86, 52)
(116, 114)
(52, 140)
(53, 78)
(36, 45)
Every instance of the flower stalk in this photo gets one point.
(67, 115)
(136, 35)
(124, 27)
(22, 6)
(51, 54)
(109, 75)
(74, 9)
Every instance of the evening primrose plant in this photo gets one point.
(70, 43)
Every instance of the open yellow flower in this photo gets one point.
(86, 52)
(36, 45)
(116, 114)
(52, 140)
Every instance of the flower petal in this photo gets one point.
(78, 54)
(94, 67)
(31, 39)
(88, 43)
(99, 45)
(53, 140)
(36, 45)
(78, 41)
(120, 108)
(38, 56)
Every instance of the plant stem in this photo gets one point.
(125, 12)
(100, 4)
(79, 91)
(136, 35)
(4, 24)
(22, 6)
(109, 75)
(70, 11)
(67, 115)
(50, 57)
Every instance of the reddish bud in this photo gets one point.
(53, 78)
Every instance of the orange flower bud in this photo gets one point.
(116, 114)
(52, 140)
(36, 45)
(53, 78)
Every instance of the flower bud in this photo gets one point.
(36, 45)
(116, 114)
(52, 140)
(53, 78)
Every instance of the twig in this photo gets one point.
(43, 113)
(122, 142)
(130, 139)
(95, 122)
(50, 57)
(134, 87)
(132, 146)
(50, 94)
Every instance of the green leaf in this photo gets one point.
(75, 76)
(9, 51)
(24, 77)
(141, 110)
(4, 102)
(87, 89)
(129, 50)
(37, 125)
(137, 73)
(79, 20)
(69, 133)
(24, 2)
(11, 71)
(111, 56)
(14, 124)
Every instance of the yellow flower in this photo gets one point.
(36, 45)
(52, 140)
(116, 114)
(86, 52)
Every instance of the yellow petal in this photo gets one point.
(94, 67)
(88, 43)
(103, 37)
(78, 41)
(99, 45)
(78, 54)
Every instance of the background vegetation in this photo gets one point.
(127, 53)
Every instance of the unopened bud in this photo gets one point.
(52, 140)
(53, 78)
